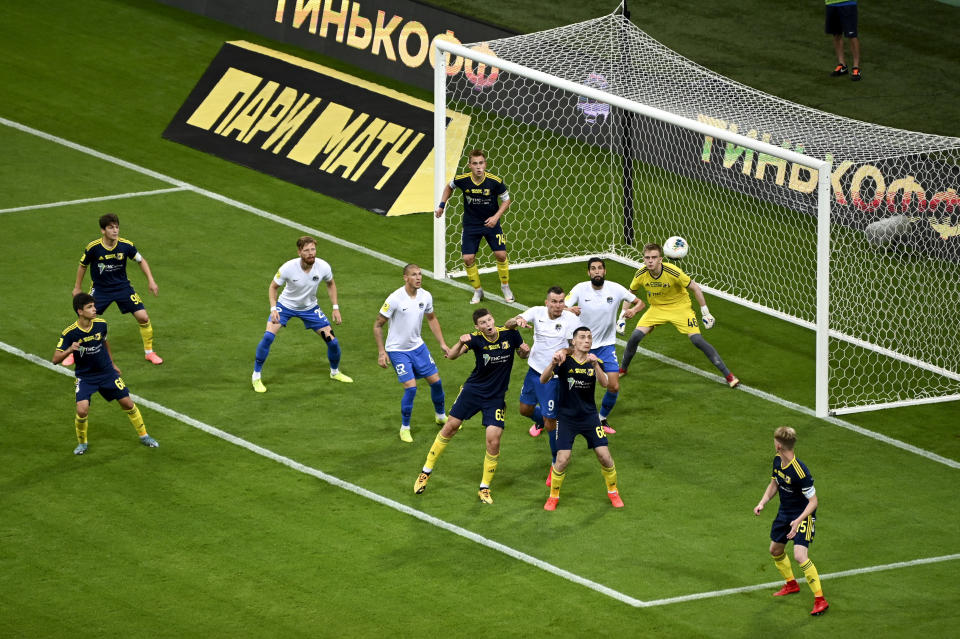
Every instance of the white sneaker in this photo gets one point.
(507, 293)
(477, 296)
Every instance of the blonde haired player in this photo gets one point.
(666, 286)
(796, 518)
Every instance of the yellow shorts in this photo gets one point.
(683, 318)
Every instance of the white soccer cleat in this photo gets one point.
(507, 293)
(477, 296)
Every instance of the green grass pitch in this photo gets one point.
(206, 537)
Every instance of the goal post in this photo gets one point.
(766, 212)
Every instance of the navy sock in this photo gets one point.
(552, 438)
(436, 394)
(333, 353)
(607, 403)
(537, 416)
(406, 404)
(263, 349)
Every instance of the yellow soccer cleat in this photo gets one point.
(421, 484)
(340, 377)
(484, 495)
(406, 436)
(440, 419)
(258, 386)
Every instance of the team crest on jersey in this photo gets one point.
(505, 345)
(486, 192)
(316, 278)
(420, 305)
(558, 326)
(610, 300)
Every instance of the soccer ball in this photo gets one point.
(675, 247)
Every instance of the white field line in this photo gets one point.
(103, 198)
(457, 530)
(396, 262)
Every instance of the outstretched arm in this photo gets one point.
(460, 347)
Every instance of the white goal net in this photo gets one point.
(569, 119)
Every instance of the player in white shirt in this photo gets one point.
(300, 278)
(552, 330)
(597, 302)
(405, 309)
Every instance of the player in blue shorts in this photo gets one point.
(597, 302)
(405, 350)
(107, 260)
(577, 371)
(796, 518)
(484, 392)
(485, 200)
(300, 278)
(95, 370)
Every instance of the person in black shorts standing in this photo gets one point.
(841, 20)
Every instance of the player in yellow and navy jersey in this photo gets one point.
(666, 286)
(795, 520)
(577, 371)
(485, 200)
(95, 370)
(484, 392)
(107, 260)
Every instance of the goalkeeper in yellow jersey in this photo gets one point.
(666, 286)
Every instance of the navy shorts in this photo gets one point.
(109, 386)
(805, 532)
(591, 431)
(470, 240)
(127, 300)
(313, 319)
(534, 392)
(469, 404)
(842, 20)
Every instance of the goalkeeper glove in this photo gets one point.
(621, 323)
(708, 320)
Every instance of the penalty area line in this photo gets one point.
(345, 485)
(87, 200)
(453, 528)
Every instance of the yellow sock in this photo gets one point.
(80, 423)
(610, 477)
(473, 275)
(137, 420)
(489, 468)
(503, 270)
(556, 480)
(439, 444)
(783, 565)
(813, 577)
(146, 334)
